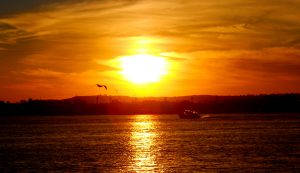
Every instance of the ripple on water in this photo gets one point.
(149, 143)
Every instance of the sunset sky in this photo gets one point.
(53, 49)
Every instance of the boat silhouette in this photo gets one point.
(189, 114)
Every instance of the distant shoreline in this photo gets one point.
(122, 105)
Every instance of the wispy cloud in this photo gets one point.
(42, 73)
(198, 25)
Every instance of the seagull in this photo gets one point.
(102, 86)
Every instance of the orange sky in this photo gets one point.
(54, 50)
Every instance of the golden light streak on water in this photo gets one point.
(143, 138)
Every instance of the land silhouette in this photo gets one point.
(109, 105)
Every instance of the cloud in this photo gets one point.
(244, 71)
(218, 25)
(42, 73)
(10, 34)
(14, 7)
(270, 64)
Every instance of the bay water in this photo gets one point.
(150, 143)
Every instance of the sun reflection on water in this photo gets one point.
(143, 137)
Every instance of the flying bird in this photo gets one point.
(102, 86)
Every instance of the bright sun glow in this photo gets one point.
(143, 68)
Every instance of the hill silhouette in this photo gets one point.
(127, 99)
(93, 105)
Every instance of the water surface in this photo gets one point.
(150, 143)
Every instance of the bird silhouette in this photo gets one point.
(98, 85)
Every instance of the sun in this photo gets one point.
(143, 68)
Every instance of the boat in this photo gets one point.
(189, 114)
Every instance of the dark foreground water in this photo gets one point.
(150, 143)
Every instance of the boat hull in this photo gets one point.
(187, 114)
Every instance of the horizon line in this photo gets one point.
(193, 95)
